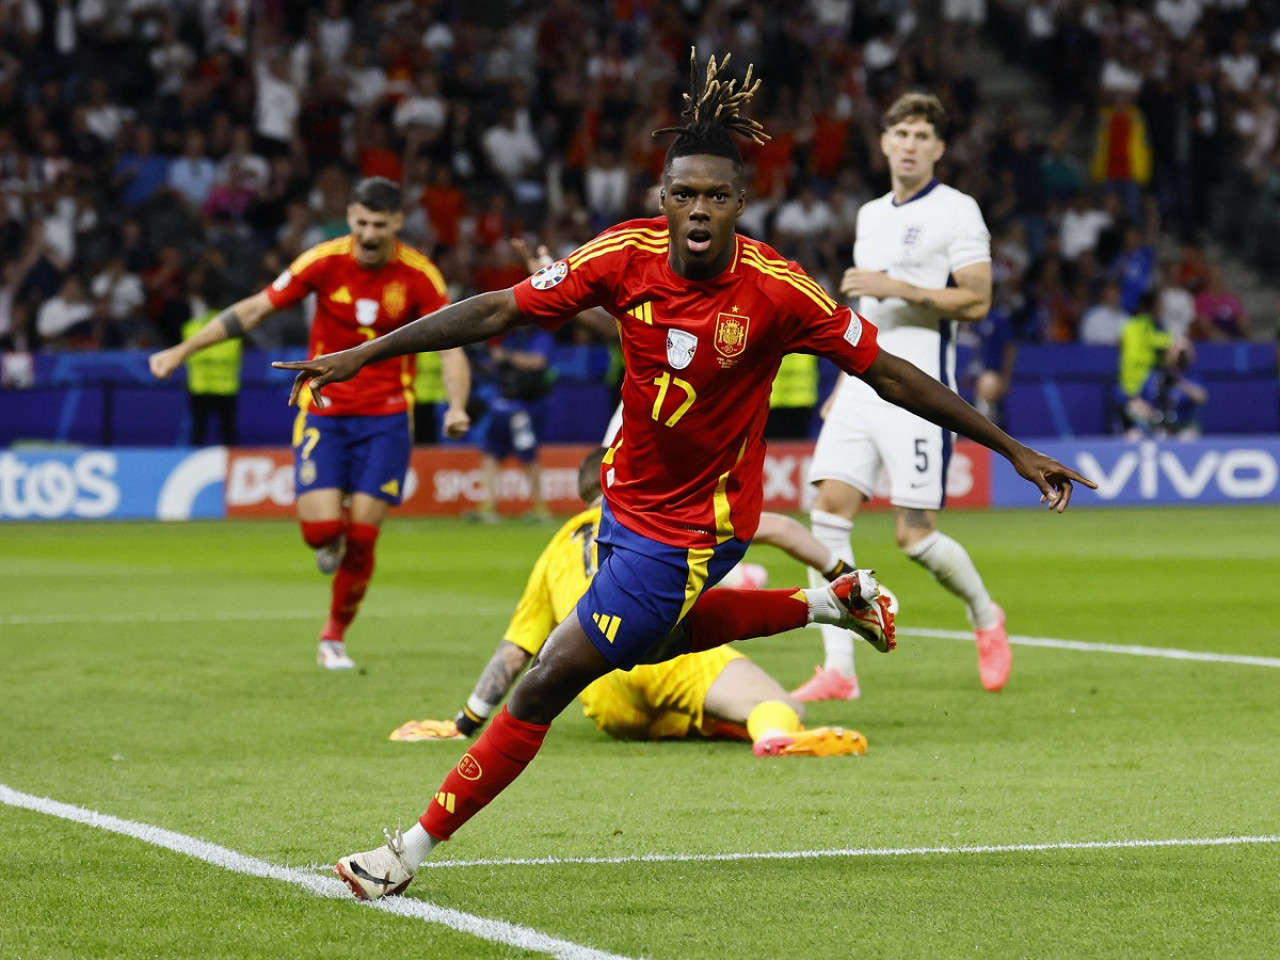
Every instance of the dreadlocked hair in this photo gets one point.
(713, 112)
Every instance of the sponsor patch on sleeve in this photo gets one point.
(854, 333)
(282, 281)
(549, 276)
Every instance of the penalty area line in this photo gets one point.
(495, 931)
(1166, 653)
(861, 852)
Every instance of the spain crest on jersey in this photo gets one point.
(681, 346)
(394, 297)
(731, 334)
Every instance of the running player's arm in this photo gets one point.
(472, 320)
(969, 299)
(235, 321)
(455, 370)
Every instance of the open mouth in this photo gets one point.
(699, 240)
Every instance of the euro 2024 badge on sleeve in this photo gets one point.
(681, 346)
(550, 275)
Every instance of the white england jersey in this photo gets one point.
(922, 242)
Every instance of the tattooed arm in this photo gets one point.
(496, 680)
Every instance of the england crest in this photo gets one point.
(681, 346)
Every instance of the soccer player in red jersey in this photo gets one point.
(705, 317)
(351, 456)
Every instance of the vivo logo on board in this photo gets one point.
(1152, 472)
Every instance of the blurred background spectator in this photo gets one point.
(1118, 149)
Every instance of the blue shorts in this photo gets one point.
(644, 588)
(364, 454)
(507, 430)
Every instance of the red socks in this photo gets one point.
(498, 756)
(352, 579)
(722, 615)
(320, 533)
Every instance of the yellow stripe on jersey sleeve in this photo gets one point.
(654, 241)
(330, 248)
(802, 283)
(637, 243)
(654, 234)
(420, 262)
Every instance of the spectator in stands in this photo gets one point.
(800, 226)
(1134, 268)
(170, 60)
(512, 150)
(1219, 311)
(123, 297)
(104, 117)
(193, 174)
(65, 321)
(276, 104)
(1122, 153)
(19, 337)
(140, 171)
(1176, 307)
(607, 184)
(1103, 322)
(445, 204)
(1081, 225)
(253, 167)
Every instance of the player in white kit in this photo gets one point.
(922, 262)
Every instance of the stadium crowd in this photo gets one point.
(159, 157)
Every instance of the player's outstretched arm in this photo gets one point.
(906, 385)
(235, 321)
(468, 321)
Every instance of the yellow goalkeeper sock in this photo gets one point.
(773, 718)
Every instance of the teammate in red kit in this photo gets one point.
(351, 457)
(705, 317)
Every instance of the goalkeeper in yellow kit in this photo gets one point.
(714, 693)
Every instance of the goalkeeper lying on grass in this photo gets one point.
(715, 693)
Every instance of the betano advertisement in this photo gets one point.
(218, 482)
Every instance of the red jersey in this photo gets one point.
(700, 360)
(355, 304)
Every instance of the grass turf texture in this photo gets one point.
(165, 674)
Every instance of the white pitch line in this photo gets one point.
(1167, 653)
(858, 852)
(496, 931)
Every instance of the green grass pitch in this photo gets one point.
(164, 674)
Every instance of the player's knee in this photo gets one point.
(320, 533)
(835, 497)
